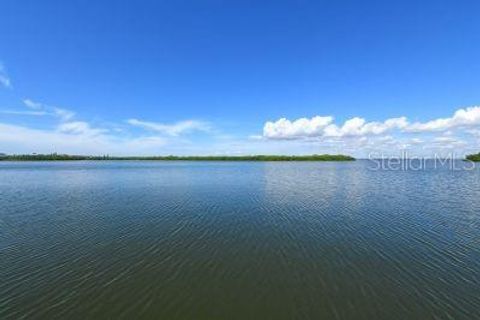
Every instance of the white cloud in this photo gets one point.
(80, 128)
(175, 129)
(357, 136)
(461, 118)
(300, 128)
(75, 138)
(323, 127)
(63, 114)
(4, 79)
(359, 127)
(24, 113)
(44, 109)
(32, 104)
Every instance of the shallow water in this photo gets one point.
(238, 240)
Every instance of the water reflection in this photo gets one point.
(206, 240)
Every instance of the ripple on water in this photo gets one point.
(237, 240)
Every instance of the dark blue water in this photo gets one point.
(238, 240)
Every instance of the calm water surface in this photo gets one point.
(237, 240)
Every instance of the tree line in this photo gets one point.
(66, 157)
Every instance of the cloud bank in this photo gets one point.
(323, 126)
(75, 138)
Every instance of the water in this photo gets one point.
(237, 240)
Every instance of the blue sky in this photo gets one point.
(234, 77)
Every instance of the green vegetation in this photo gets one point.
(473, 157)
(65, 157)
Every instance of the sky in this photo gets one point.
(240, 77)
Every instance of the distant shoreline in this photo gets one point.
(65, 157)
(473, 157)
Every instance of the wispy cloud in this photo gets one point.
(4, 78)
(41, 109)
(32, 104)
(75, 138)
(24, 113)
(80, 128)
(175, 129)
(81, 137)
(63, 114)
